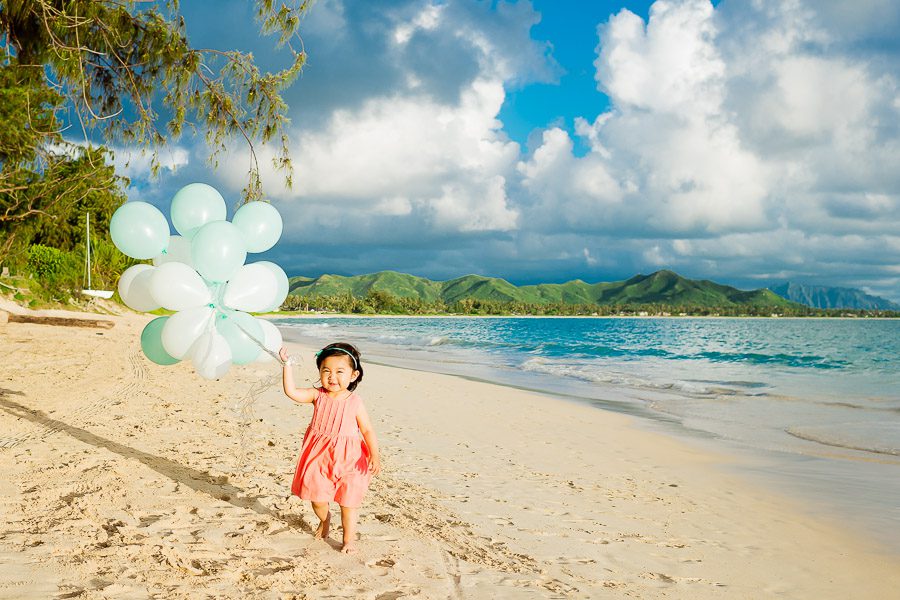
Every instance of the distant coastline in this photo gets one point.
(660, 294)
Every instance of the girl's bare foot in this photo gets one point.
(349, 548)
(324, 528)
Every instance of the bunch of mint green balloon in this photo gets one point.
(201, 275)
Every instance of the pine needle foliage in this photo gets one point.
(120, 64)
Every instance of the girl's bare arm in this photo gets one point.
(299, 395)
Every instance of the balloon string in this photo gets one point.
(210, 326)
(259, 343)
(245, 414)
(244, 406)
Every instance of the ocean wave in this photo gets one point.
(294, 324)
(751, 385)
(591, 374)
(788, 360)
(578, 349)
(598, 373)
(872, 406)
(875, 437)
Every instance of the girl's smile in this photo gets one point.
(337, 373)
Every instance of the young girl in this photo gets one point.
(340, 450)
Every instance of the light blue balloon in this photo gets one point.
(151, 342)
(139, 230)
(195, 205)
(218, 250)
(243, 349)
(261, 225)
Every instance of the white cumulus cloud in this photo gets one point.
(136, 163)
(439, 161)
(738, 136)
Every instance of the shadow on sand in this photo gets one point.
(215, 486)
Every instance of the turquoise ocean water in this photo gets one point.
(815, 401)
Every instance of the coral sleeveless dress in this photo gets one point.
(334, 459)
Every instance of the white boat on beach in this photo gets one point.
(88, 291)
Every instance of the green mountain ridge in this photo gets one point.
(662, 287)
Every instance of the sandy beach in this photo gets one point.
(125, 479)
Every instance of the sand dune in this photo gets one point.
(124, 479)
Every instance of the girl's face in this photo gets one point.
(337, 372)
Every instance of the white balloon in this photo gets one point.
(183, 328)
(283, 285)
(252, 288)
(134, 288)
(260, 224)
(179, 250)
(271, 340)
(211, 355)
(176, 286)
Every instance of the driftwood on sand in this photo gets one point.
(59, 321)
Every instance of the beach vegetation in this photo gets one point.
(44, 261)
(46, 183)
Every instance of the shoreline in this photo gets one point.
(134, 480)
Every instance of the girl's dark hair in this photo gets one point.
(342, 349)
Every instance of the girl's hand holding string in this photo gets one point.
(300, 395)
(375, 466)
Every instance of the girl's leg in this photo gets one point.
(348, 522)
(321, 510)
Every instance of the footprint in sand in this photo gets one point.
(381, 567)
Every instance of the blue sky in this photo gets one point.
(571, 30)
(747, 143)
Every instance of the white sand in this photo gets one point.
(122, 479)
